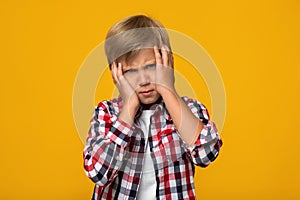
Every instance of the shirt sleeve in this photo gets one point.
(207, 146)
(105, 146)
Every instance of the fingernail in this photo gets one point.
(119, 64)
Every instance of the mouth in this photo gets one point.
(146, 92)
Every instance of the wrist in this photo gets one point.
(162, 90)
(166, 92)
(131, 107)
(132, 102)
(128, 112)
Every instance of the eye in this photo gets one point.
(129, 71)
(151, 66)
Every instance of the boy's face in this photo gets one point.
(140, 72)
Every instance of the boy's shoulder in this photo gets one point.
(192, 102)
(114, 101)
(187, 99)
(112, 105)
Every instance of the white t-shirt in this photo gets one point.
(147, 187)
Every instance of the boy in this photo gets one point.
(145, 143)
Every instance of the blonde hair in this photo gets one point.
(128, 36)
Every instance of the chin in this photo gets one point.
(149, 100)
(146, 101)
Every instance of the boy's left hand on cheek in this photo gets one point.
(164, 71)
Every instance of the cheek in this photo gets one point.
(152, 76)
(132, 80)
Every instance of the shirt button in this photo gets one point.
(159, 173)
(117, 158)
(194, 153)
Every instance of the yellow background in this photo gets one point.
(255, 45)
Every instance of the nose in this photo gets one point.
(144, 78)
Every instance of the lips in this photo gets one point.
(146, 92)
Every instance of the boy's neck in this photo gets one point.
(149, 106)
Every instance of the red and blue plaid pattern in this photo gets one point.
(114, 152)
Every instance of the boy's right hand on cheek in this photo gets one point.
(126, 91)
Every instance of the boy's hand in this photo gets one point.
(126, 91)
(164, 71)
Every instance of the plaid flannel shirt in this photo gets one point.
(114, 152)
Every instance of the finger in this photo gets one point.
(114, 74)
(170, 57)
(171, 60)
(157, 56)
(119, 71)
(165, 55)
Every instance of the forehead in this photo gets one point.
(142, 57)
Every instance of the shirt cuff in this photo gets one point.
(208, 133)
